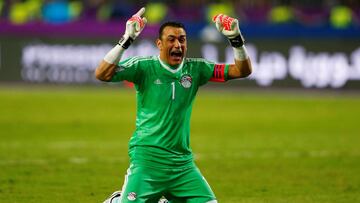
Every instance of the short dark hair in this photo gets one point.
(170, 24)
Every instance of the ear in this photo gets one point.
(159, 44)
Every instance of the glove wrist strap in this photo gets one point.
(237, 41)
(125, 41)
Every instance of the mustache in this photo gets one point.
(177, 52)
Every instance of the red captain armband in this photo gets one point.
(219, 73)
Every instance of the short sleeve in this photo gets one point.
(128, 70)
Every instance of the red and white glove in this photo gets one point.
(134, 26)
(229, 27)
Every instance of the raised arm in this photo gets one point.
(108, 65)
(230, 28)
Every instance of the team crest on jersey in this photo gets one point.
(186, 81)
(131, 196)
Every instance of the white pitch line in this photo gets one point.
(275, 154)
(72, 160)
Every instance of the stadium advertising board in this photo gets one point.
(307, 63)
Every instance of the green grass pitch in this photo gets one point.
(69, 144)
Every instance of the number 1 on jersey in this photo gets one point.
(173, 90)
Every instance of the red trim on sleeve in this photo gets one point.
(219, 73)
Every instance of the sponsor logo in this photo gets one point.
(186, 81)
(119, 69)
(131, 196)
(157, 82)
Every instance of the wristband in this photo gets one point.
(240, 53)
(237, 41)
(114, 55)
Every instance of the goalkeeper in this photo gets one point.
(161, 161)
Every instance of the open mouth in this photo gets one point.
(176, 55)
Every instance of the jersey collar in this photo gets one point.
(167, 67)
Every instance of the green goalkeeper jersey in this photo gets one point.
(165, 96)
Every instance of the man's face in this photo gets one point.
(172, 45)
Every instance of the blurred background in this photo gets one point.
(302, 44)
(288, 133)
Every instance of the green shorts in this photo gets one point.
(146, 184)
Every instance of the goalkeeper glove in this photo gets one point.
(134, 26)
(229, 27)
